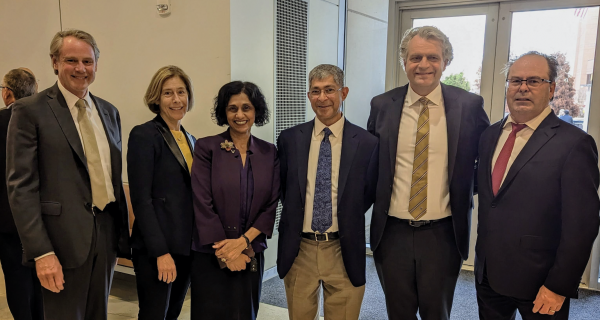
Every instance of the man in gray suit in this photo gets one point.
(64, 183)
(428, 137)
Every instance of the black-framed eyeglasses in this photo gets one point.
(2, 87)
(532, 82)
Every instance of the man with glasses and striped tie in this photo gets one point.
(538, 201)
(428, 135)
(328, 172)
(63, 165)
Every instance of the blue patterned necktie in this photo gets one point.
(321, 220)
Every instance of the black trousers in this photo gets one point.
(158, 299)
(86, 288)
(418, 269)
(222, 294)
(494, 306)
(23, 289)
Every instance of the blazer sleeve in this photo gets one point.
(23, 183)
(141, 154)
(371, 122)
(265, 220)
(579, 217)
(209, 226)
(283, 167)
(482, 122)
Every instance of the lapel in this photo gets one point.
(489, 155)
(163, 128)
(540, 137)
(303, 137)
(349, 146)
(61, 111)
(261, 164)
(453, 110)
(394, 118)
(111, 136)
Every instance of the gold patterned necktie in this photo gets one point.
(92, 155)
(417, 205)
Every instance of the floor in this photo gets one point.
(123, 300)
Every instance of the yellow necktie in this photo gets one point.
(417, 205)
(92, 155)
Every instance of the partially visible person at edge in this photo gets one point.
(235, 182)
(23, 290)
(159, 162)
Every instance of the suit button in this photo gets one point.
(302, 208)
(493, 204)
(391, 186)
(386, 211)
(228, 227)
(88, 205)
(234, 228)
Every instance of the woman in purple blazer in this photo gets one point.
(235, 183)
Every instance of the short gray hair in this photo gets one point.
(428, 33)
(22, 83)
(57, 43)
(323, 71)
(550, 59)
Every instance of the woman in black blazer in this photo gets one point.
(159, 161)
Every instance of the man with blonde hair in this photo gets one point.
(64, 184)
(427, 157)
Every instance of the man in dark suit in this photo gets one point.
(538, 201)
(23, 291)
(328, 172)
(428, 134)
(64, 183)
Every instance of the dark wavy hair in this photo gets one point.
(219, 111)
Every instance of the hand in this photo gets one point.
(230, 249)
(166, 268)
(238, 264)
(50, 273)
(547, 302)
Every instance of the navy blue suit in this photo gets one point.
(465, 121)
(356, 191)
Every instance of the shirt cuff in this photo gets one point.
(44, 255)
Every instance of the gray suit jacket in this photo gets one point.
(48, 183)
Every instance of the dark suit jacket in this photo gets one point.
(465, 121)
(161, 190)
(48, 183)
(356, 191)
(540, 228)
(216, 191)
(7, 223)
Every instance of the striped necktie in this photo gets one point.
(417, 205)
(92, 156)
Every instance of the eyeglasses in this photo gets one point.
(328, 92)
(2, 87)
(532, 82)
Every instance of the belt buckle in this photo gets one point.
(418, 223)
(321, 234)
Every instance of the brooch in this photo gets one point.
(228, 146)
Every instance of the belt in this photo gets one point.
(321, 236)
(421, 223)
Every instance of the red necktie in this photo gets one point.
(504, 156)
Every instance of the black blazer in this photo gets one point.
(160, 188)
(48, 183)
(465, 121)
(540, 228)
(356, 192)
(7, 223)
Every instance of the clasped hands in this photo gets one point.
(547, 302)
(230, 252)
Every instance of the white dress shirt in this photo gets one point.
(99, 132)
(520, 140)
(438, 193)
(335, 138)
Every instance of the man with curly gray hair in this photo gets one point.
(429, 133)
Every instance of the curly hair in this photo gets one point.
(219, 111)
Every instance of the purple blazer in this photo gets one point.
(216, 192)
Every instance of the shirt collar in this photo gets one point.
(336, 128)
(10, 105)
(434, 96)
(533, 123)
(72, 99)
